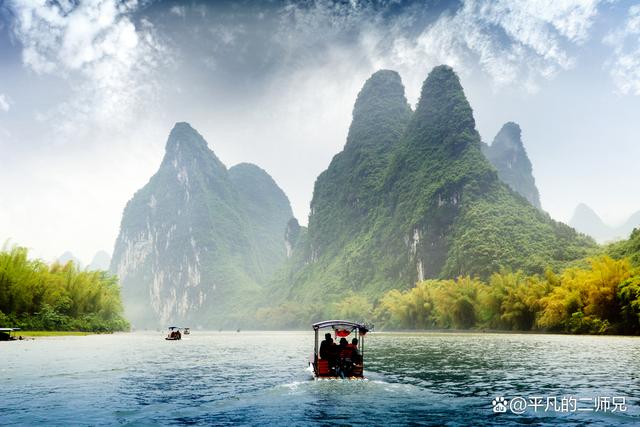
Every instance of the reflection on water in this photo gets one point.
(261, 378)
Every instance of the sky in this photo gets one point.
(89, 91)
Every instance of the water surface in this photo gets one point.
(259, 378)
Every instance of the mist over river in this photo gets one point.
(261, 378)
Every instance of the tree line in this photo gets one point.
(603, 297)
(35, 295)
(599, 295)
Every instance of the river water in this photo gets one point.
(260, 378)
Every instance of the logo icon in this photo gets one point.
(499, 405)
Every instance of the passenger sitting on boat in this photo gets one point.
(345, 350)
(356, 357)
(324, 346)
(346, 363)
(328, 350)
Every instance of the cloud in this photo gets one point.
(624, 67)
(514, 42)
(180, 11)
(107, 59)
(4, 103)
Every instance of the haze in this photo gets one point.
(89, 93)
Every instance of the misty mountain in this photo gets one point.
(412, 197)
(630, 224)
(100, 261)
(507, 154)
(267, 211)
(586, 221)
(69, 256)
(198, 240)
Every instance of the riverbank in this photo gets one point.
(51, 333)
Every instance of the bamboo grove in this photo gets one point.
(38, 296)
(601, 298)
(598, 295)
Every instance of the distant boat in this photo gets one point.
(174, 334)
(186, 331)
(6, 334)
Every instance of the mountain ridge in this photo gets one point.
(187, 250)
(587, 221)
(438, 209)
(509, 156)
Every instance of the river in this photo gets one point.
(260, 378)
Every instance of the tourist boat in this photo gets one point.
(174, 334)
(347, 362)
(5, 334)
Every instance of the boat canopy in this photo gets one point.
(9, 329)
(342, 325)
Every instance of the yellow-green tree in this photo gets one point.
(585, 300)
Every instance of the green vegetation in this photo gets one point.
(410, 198)
(51, 333)
(627, 248)
(603, 298)
(41, 297)
(599, 295)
